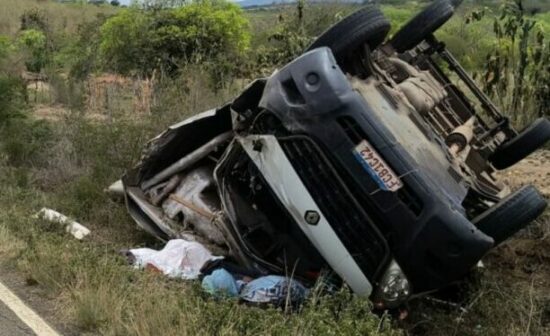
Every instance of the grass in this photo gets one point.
(9, 245)
(96, 291)
(62, 18)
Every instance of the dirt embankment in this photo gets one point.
(533, 170)
(528, 254)
(525, 259)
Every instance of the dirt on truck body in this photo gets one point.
(361, 156)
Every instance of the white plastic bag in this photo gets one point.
(78, 230)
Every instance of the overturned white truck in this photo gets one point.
(360, 156)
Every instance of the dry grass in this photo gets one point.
(63, 18)
(9, 245)
(97, 292)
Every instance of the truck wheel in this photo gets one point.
(456, 3)
(526, 142)
(366, 26)
(422, 25)
(511, 214)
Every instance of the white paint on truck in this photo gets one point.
(286, 184)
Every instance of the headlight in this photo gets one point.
(394, 288)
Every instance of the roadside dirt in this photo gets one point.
(533, 170)
(512, 290)
(525, 259)
(527, 256)
(50, 113)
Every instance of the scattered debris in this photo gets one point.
(190, 260)
(274, 289)
(116, 191)
(222, 283)
(271, 289)
(78, 230)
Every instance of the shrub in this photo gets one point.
(33, 44)
(144, 41)
(7, 57)
(34, 19)
(12, 99)
(24, 143)
(79, 55)
(296, 28)
(516, 73)
(5, 46)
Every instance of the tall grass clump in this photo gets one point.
(62, 18)
(517, 71)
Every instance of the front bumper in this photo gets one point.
(279, 173)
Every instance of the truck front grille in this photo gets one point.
(406, 195)
(348, 218)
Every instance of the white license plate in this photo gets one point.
(377, 168)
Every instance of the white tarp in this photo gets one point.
(178, 259)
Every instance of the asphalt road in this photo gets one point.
(11, 325)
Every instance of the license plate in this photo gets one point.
(384, 176)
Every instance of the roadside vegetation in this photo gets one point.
(83, 87)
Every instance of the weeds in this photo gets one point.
(12, 99)
(516, 73)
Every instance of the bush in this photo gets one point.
(143, 41)
(79, 54)
(516, 73)
(5, 46)
(12, 99)
(296, 27)
(34, 19)
(33, 43)
(25, 142)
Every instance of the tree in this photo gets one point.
(142, 41)
(32, 43)
(115, 3)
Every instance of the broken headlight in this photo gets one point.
(393, 289)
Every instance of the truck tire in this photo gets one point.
(456, 3)
(422, 25)
(511, 214)
(526, 142)
(366, 26)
